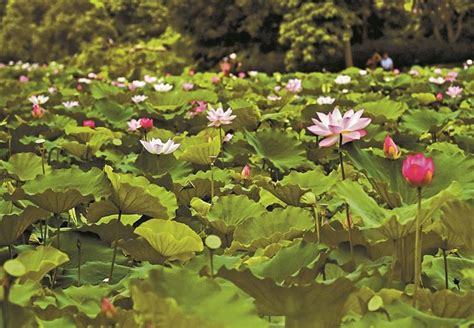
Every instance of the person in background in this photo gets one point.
(386, 62)
(373, 61)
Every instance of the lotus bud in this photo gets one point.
(418, 170)
(245, 172)
(146, 123)
(391, 149)
(439, 97)
(89, 123)
(107, 308)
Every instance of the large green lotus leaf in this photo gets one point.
(271, 227)
(383, 110)
(288, 193)
(203, 153)
(113, 112)
(17, 316)
(419, 121)
(35, 264)
(290, 261)
(281, 148)
(170, 239)
(433, 268)
(313, 305)
(101, 90)
(76, 149)
(199, 188)
(133, 195)
(315, 180)
(247, 114)
(140, 250)
(25, 166)
(227, 212)
(94, 272)
(424, 98)
(457, 218)
(110, 231)
(64, 189)
(164, 300)
(161, 165)
(13, 225)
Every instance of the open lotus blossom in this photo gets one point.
(438, 70)
(156, 146)
(252, 73)
(163, 87)
(139, 98)
(362, 72)
(146, 123)
(294, 85)
(391, 149)
(343, 79)
(70, 104)
(454, 91)
(89, 123)
(38, 100)
(188, 86)
(437, 80)
(322, 100)
(218, 117)
(149, 79)
(133, 125)
(451, 76)
(23, 78)
(333, 125)
(418, 170)
(84, 80)
(138, 84)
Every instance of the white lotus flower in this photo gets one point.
(70, 104)
(294, 85)
(138, 84)
(84, 80)
(252, 73)
(38, 100)
(436, 80)
(156, 146)
(233, 56)
(121, 79)
(362, 72)
(469, 62)
(163, 87)
(343, 79)
(325, 100)
(218, 117)
(273, 98)
(92, 75)
(139, 98)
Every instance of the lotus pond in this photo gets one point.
(299, 200)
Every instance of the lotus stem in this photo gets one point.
(212, 182)
(348, 219)
(10, 250)
(417, 249)
(403, 260)
(445, 259)
(317, 223)
(115, 248)
(220, 137)
(58, 231)
(78, 262)
(42, 160)
(211, 262)
(50, 154)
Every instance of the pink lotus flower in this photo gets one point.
(391, 149)
(454, 91)
(418, 170)
(23, 79)
(37, 111)
(156, 146)
(146, 123)
(334, 125)
(439, 97)
(188, 86)
(215, 79)
(133, 125)
(245, 174)
(451, 76)
(294, 86)
(199, 106)
(218, 117)
(242, 75)
(228, 137)
(89, 123)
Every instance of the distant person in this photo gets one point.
(373, 61)
(386, 62)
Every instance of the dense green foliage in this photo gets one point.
(96, 230)
(169, 35)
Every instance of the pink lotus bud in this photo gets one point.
(390, 148)
(37, 111)
(23, 79)
(245, 172)
(79, 87)
(242, 75)
(439, 97)
(107, 308)
(146, 123)
(215, 79)
(89, 123)
(418, 170)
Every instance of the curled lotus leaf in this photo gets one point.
(25, 166)
(13, 225)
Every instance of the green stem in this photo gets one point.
(58, 231)
(42, 160)
(220, 137)
(78, 262)
(446, 279)
(212, 182)
(317, 223)
(417, 249)
(348, 220)
(10, 250)
(403, 260)
(115, 248)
